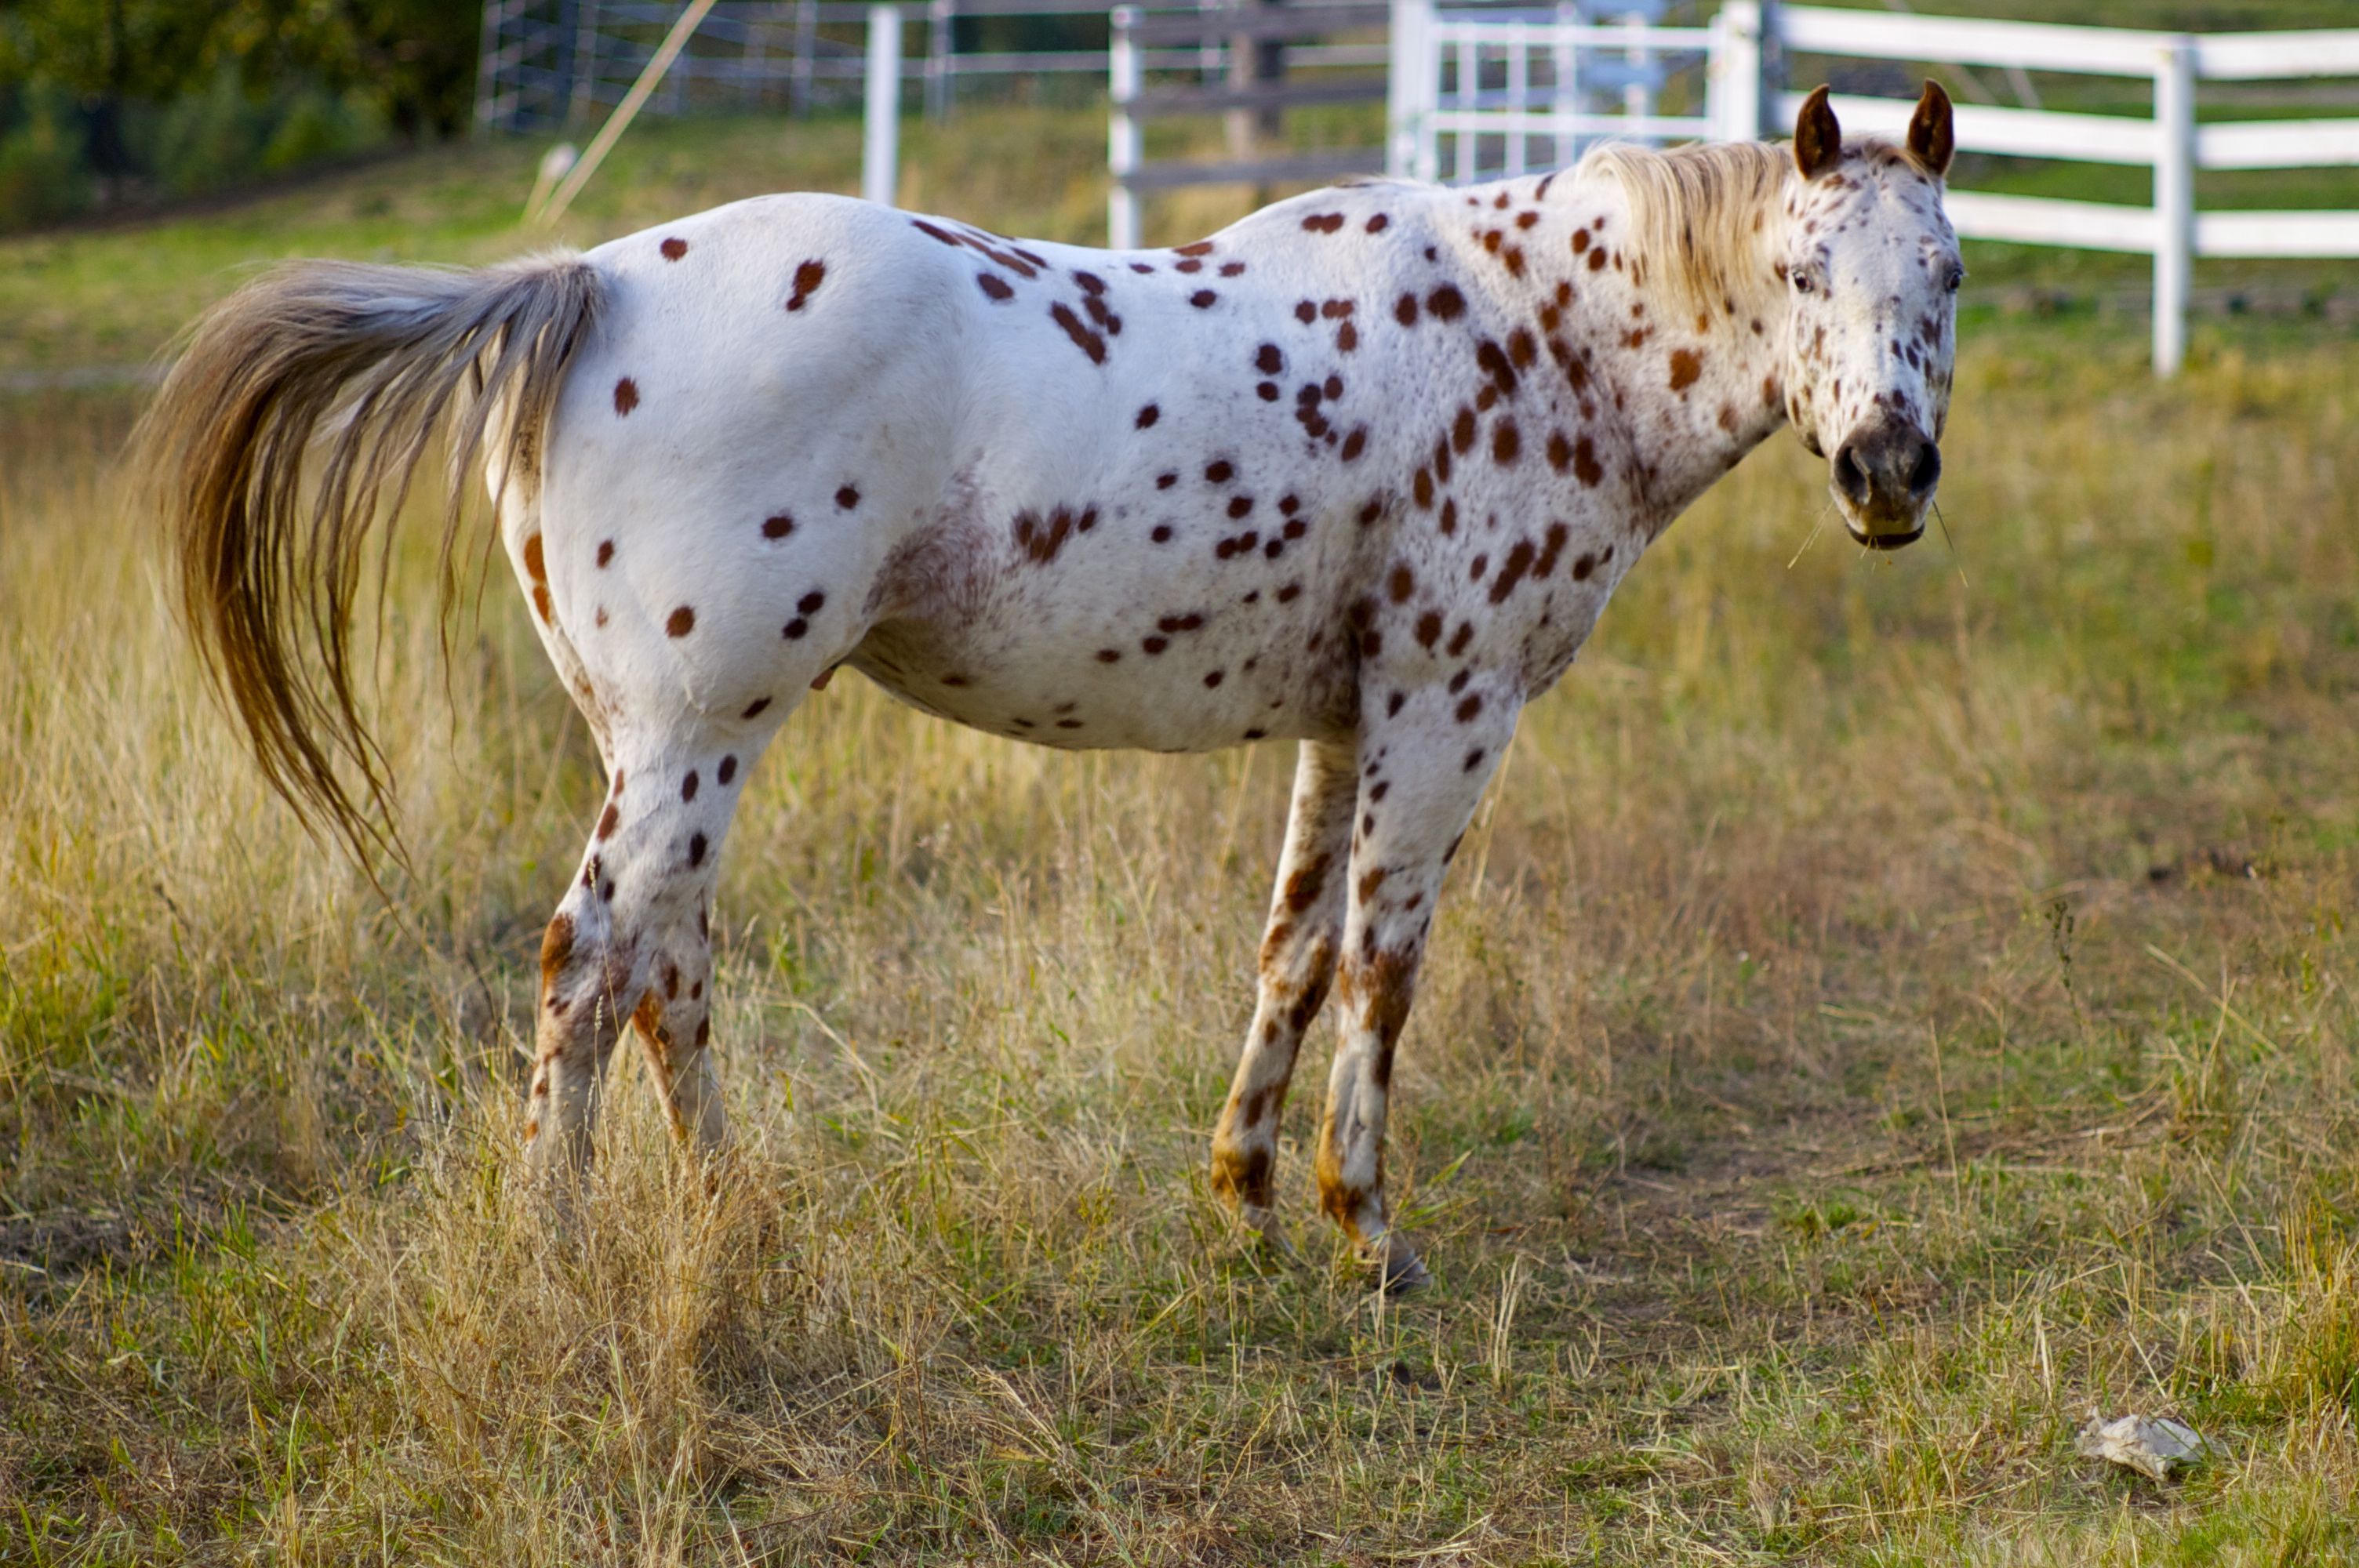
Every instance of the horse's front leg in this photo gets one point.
(1297, 961)
(1422, 768)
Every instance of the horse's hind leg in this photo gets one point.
(674, 1019)
(632, 940)
(1298, 960)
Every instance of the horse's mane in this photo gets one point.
(1696, 210)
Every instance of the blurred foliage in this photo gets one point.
(108, 104)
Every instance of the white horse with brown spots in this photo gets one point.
(1358, 472)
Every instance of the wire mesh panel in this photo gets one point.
(1497, 91)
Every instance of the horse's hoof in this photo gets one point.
(1401, 1273)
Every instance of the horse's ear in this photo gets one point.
(1932, 139)
(1818, 139)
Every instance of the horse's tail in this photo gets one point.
(364, 363)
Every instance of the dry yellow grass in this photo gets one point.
(1853, 1047)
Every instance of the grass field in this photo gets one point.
(1888, 1008)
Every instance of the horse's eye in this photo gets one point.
(1801, 283)
(1957, 276)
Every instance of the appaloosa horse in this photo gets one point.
(1358, 472)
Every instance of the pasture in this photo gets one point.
(1886, 1007)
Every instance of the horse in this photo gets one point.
(1359, 471)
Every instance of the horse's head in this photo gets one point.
(1873, 269)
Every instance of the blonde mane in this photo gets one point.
(1696, 210)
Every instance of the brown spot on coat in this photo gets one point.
(1088, 341)
(1585, 466)
(1512, 570)
(1551, 546)
(808, 277)
(1304, 886)
(556, 949)
(626, 395)
(1040, 541)
(681, 621)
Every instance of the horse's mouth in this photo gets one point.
(1887, 541)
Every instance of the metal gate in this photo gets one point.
(1479, 92)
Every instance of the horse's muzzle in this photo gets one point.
(1883, 476)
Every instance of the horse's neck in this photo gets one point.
(1693, 386)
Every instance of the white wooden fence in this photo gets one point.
(1469, 75)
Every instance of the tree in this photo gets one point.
(415, 57)
(108, 52)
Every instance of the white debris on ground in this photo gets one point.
(2152, 1445)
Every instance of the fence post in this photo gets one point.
(1638, 95)
(1734, 72)
(487, 70)
(1567, 97)
(880, 151)
(2174, 200)
(1254, 62)
(798, 87)
(1122, 131)
(941, 62)
(1405, 88)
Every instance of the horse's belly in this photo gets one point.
(1087, 674)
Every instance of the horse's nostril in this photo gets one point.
(1927, 471)
(1851, 474)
